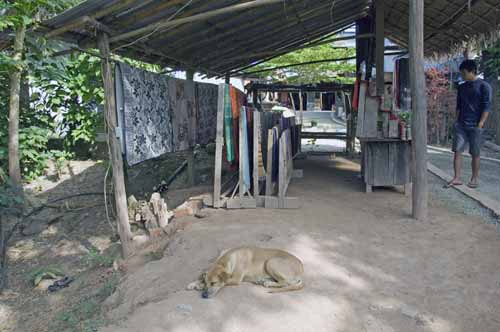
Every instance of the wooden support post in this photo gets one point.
(116, 154)
(301, 119)
(191, 157)
(380, 45)
(228, 78)
(419, 110)
(219, 145)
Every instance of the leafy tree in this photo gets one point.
(311, 73)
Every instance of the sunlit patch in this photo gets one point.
(24, 249)
(100, 242)
(68, 248)
(7, 316)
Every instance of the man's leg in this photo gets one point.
(457, 166)
(475, 171)
(476, 140)
(459, 142)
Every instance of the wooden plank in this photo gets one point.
(241, 185)
(256, 144)
(372, 105)
(363, 87)
(269, 170)
(380, 44)
(271, 202)
(241, 203)
(282, 171)
(419, 110)
(381, 164)
(115, 148)
(219, 144)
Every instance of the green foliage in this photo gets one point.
(96, 259)
(313, 73)
(494, 57)
(49, 272)
(9, 195)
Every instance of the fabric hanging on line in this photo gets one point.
(276, 154)
(181, 107)
(245, 158)
(228, 125)
(237, 100)
(206, 112)
(147, 124)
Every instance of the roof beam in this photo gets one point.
(453, 18)
(166, 23)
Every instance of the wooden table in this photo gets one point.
(386, 162)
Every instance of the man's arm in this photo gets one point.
(458, 105)
(486, 100)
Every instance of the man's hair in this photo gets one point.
(469, 65)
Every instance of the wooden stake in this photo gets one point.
(116, 155)
(380, 45)
(219, 144)
(419, 110)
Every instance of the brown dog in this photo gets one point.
(271, 268)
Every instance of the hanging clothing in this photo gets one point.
(147, 123)
(181, 106)
(245, 158)
(206, 112)
(228, 125)
(276, 154)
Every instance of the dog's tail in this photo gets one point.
(295, 287)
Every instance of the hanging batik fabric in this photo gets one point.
(245, 158)
(147, 123)
(181, 107)
(206, 112)
(228, 125)
(236, 109)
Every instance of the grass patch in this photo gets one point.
(95, 259)
(86, 315)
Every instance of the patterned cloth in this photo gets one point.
(206, 112)
(228, 125)
(147, 124)
(181, 107)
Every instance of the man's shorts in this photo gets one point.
(473, 136)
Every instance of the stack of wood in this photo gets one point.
(152, 216)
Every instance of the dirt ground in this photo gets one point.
(80, 242)
(368, 266)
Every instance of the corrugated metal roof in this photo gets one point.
(233, 40)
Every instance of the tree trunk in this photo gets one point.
(15, 85)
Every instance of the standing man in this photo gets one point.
(473, 107)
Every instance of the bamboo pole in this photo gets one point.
(116, 155)
(419, 110)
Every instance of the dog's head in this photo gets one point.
(215, 279)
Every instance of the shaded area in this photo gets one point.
(369, 267)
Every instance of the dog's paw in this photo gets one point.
(269, 283)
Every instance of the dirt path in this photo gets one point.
(369, 267)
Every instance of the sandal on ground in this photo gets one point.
(473, 185)
(452, 184)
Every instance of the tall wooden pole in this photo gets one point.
(380, 44)
(419, 110)
(116, 154)
(190, 155)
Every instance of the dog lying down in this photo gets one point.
(271, 268)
